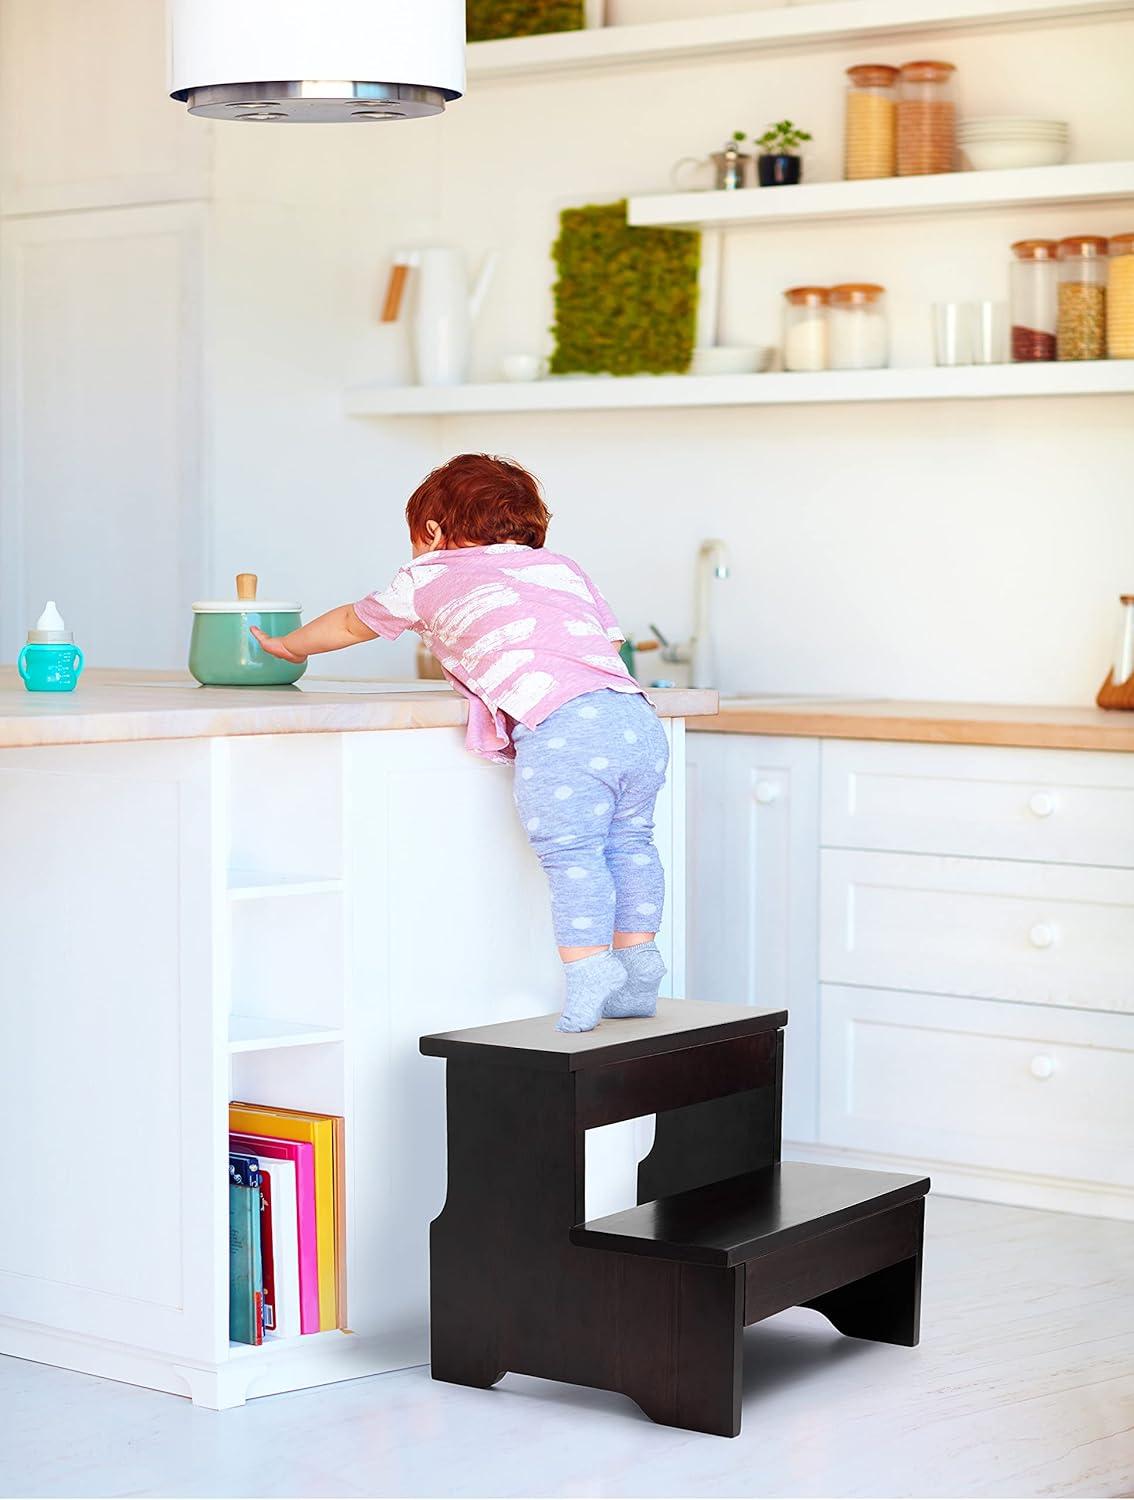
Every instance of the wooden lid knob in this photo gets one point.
(246, 585)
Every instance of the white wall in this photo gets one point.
(948, 550)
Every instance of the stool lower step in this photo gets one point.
(745, 1218)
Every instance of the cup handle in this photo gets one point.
(79, 660)
(677, 173)
(22, 664)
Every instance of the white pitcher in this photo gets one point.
(445, 310)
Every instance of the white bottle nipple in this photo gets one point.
(50, 619)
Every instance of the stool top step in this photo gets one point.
(744, 1218)
(535, 1043)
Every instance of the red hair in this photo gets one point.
(477, 500)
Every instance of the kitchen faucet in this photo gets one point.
(700, 651)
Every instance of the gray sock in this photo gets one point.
(590, 983)
(645, 970)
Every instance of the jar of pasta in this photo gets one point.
(858, 336)
(805, 328)
(1034, 300)
(1081, 326)
(1120, 298)
(927, 119)
(872, 123)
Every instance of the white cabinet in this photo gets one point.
(966, 991)
(753, 850)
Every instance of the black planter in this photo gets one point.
(779, 171)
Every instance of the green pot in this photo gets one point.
(224, 653)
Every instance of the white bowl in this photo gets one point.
(1026, 121)
(521, 367)
(1012, 135)
(730, 360)
(1002, 156)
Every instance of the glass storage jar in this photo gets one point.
(1120, 298)
(1034, 301)
(872, 122)
(805, 328)
(1081, 326)
(927, 119)
(858, 338)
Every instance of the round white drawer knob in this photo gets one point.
(1042, 804)
(768, 791)
(1042, 935)
(1042, 1067)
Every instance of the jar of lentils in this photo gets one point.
(927, 119)
(1081, 324)
(1120, 298)
(1034, 300)
(872, 122)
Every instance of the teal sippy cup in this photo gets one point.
(50, 662)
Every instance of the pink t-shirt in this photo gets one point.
(518, 630)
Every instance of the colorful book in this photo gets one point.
(301, 1155)
(246, 1293)
(267, 1256)
(283, 1210)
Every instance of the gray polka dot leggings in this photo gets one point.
(586, 783)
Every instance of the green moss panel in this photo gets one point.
(625, 299)
(488, 20)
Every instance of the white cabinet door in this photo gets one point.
(753, 834)
(1004, 929)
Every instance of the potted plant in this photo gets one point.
(779, 162)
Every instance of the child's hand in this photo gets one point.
(274, 645)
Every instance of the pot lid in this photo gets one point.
(244, 607)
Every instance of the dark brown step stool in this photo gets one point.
(652, 1301)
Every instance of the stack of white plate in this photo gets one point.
(996, 142)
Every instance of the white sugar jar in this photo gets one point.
(805, 328)
(859, 336)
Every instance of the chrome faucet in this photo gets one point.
(699, 653)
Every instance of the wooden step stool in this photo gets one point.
(652, 1301)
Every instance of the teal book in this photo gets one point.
(245, 1269)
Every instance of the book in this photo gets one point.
(267, 1258)
(283, 1210)
(301, 1155)
(319, 1130)
(246, 1294)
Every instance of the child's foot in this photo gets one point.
(590, 984)
(645, 969)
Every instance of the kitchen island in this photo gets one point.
(263, 894)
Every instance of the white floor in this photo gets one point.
(1023, 1386)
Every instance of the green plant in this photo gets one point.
(738, 136)
(782, 139)
(489, 20)
(625, 299)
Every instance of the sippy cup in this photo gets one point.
(50, 662)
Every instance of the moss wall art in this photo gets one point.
(625, 299)
(488, 20)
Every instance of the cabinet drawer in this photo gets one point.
(1063, 806)
(975, 1082)
(1047, 934)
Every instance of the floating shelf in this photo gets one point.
(607, 393)
(890, 197)
(252, 885)
(264, 1034)
(787, 26)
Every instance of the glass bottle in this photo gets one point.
(927, 119)
(858, 336)
(1034, 301)
(1081, 325)
(871, 122)
(805, 328)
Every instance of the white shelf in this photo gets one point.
(889, 197)
(830, 24)
(306, 1342)
(253, 885)
(606, 393)
(263, 1034)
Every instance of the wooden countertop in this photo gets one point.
(1044, 728)
(110, 706)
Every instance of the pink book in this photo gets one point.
(302, 1153)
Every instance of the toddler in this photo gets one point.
(526, 637)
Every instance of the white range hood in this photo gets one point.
(317, 60)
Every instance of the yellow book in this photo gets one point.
(319, 1130)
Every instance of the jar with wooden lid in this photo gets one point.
(858, 337)
(927, 119)
(872, 121)
(1034, 301)
(805, 328)
(1081, 324)
(1120, 298)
